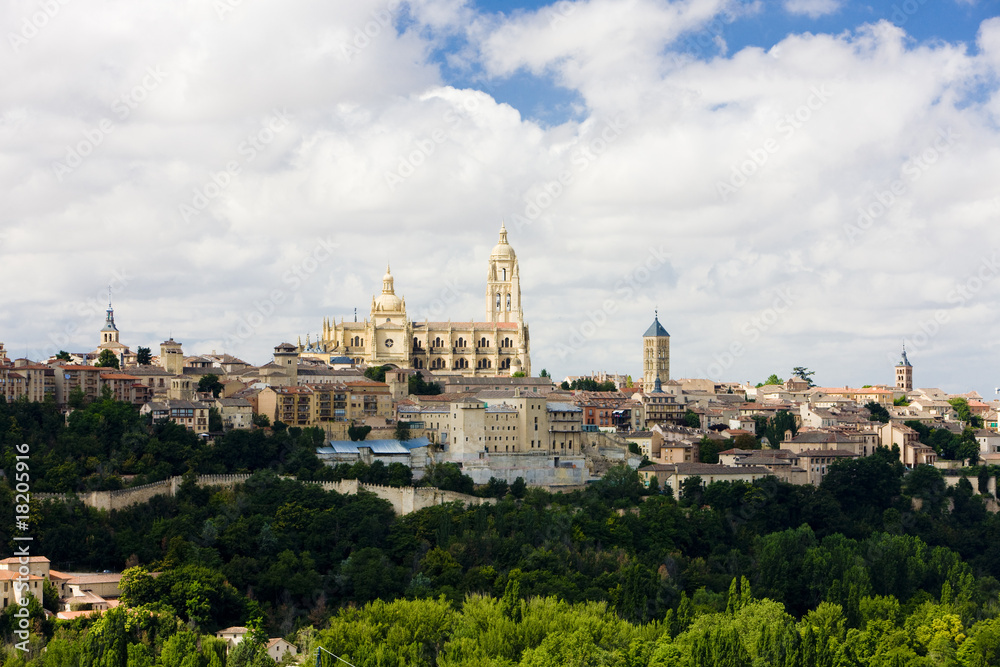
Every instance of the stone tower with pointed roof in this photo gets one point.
(904, 373)
(497, 346)
(655, 356)
(110, 339)
(503, 283)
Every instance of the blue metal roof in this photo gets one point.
(383, 447)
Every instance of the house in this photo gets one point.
(278, 647)
(233, 635)
(235, 412)
(673, 475)
(193, 415)
(911, 451)
(989, 445)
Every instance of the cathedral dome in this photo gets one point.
(502, 249)
(387, 301)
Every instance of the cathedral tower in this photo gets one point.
(503, 283)
(904, 373)
(655, 356)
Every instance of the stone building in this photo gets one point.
(499, 345)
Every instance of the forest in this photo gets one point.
(877, 566)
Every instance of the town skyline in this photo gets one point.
(827, 159)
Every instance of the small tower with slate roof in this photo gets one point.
(904, 373)
(655, 355)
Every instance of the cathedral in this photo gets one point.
(497, 346)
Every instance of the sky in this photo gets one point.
(789, 183)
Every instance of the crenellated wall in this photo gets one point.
(404, 499)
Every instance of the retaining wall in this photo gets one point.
(404, 500)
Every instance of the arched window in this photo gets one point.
(508, 302)
(418, 363)
(504, 271)
(498, 301)
(461, 342)
(437, 342)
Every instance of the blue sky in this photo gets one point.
(746, 25)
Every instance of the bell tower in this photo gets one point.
(109, 334)
(655, 356)
(503, 283)
(904, 373)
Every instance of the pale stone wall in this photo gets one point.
(404, 500)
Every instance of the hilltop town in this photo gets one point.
(418, 393)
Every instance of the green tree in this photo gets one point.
(804, 373)
(376, 373)
(210, 382)
(708, 449)
(214, 420)
(137, 587)
(544, 374)
(564, 385)
(878, 413)
(143, 356)
(518, 374)
(357, 433)
(772, 379)
(417, 386)
(691, 419)
(64, 356)
(447, 477)
(106, 643)
(107, 359)
(77, 398)
(261, 420)
(402, 430)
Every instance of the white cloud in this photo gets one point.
(380, 157)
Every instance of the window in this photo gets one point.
(508, 302)
(498, 301)
(503, 272)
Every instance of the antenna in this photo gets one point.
(318, 657)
